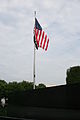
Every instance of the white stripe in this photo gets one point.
(40, 39)
(43, 40)
(46, 43)
(38, 35)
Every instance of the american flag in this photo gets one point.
(40, 37)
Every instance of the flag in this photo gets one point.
(40, 37)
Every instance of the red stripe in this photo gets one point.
(40, 35)
(36, 36)
(47, 44)
(35, 33)
(44, 41)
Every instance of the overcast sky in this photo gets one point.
(60, 19)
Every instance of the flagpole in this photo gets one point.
(34, 58)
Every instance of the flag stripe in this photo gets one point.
(37, 33)
(44, 41)
(40, 39)
(40, 34)
(47, 44)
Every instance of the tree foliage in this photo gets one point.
(3, 85)
(41, 86)
(6, 88)
(73, 75)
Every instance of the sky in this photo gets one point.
(60, 19)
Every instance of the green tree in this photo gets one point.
(25, 85)
(6, 88)
(73, 75)
(3, 85)
(41, 85)
(12, 86)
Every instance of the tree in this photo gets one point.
(25, 85)
(73, 75)
(12, 86)
(3, 85)
(41, 85)
(6, 88)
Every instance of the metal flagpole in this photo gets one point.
(34, 58)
